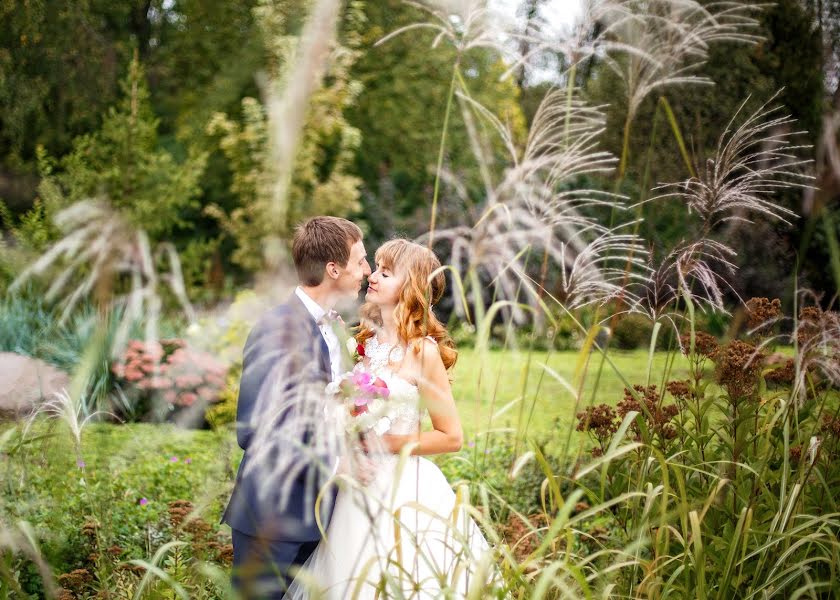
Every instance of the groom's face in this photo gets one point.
(350, 277)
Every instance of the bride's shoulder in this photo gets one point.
(426, 349)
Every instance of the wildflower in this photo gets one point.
(143, 501)
(599, 420)
(75, 580)
(784, 374)
(65, 594)
(704, 344)
(830, 426)
(762, 311)
(657, 416)
(225, 554)
(178, 511)
(173, 459)
(188, 460)
(187, 399)
(80, 463)
(738, 366)
(681, 390)
(89, 528)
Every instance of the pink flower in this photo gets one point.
(133, 375)
(188, 460)
(188, 398)
(360, 401)
(205, 393)
(215, 380)
(143, 502)
(171, 396)
(161, 383)
(381, 388)
(173, 459)
(118, 370)
(361, 378)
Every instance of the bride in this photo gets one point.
(404, 534)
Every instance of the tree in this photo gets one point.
(124, 163)
(400, 113)
(321, 179)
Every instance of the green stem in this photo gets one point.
(677, 134)
(570, 89)
(441, 150)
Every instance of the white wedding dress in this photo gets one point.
(404, 535)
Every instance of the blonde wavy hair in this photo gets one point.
(423, 288)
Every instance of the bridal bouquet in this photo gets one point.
(365, 400)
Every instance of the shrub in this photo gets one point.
(119, 495)
(166, 377)
(633, 331)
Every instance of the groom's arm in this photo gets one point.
(277, 362)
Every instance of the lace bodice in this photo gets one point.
(404, 395)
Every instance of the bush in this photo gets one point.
(489, 460)
(116, 493)
(167, 380)
(632, 331)
(771, 427)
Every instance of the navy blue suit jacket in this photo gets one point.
(286, 366)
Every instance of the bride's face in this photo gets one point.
(384, 286)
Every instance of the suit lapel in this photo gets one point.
(320, 347)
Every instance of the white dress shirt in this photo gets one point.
(333, 343)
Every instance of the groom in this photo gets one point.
(290, 356)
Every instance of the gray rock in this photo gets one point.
(26, 381)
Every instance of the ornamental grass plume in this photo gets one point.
(528, 219)
(690, 269)
(817, 333)
(466, 24)
(752, 162)
(99, 249)
(664, 42)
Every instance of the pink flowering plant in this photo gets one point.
(364, 398)
(168, 371)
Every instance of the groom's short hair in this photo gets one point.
(321, 240)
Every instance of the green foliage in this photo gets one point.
(224, 412)
(738, 523)
(121, 494)
(321, 179)
(124, 162)
(400, 115)
(490, 460)
(634, 331)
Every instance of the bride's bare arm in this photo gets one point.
(436, 393)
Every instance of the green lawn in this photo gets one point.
(539, 399)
